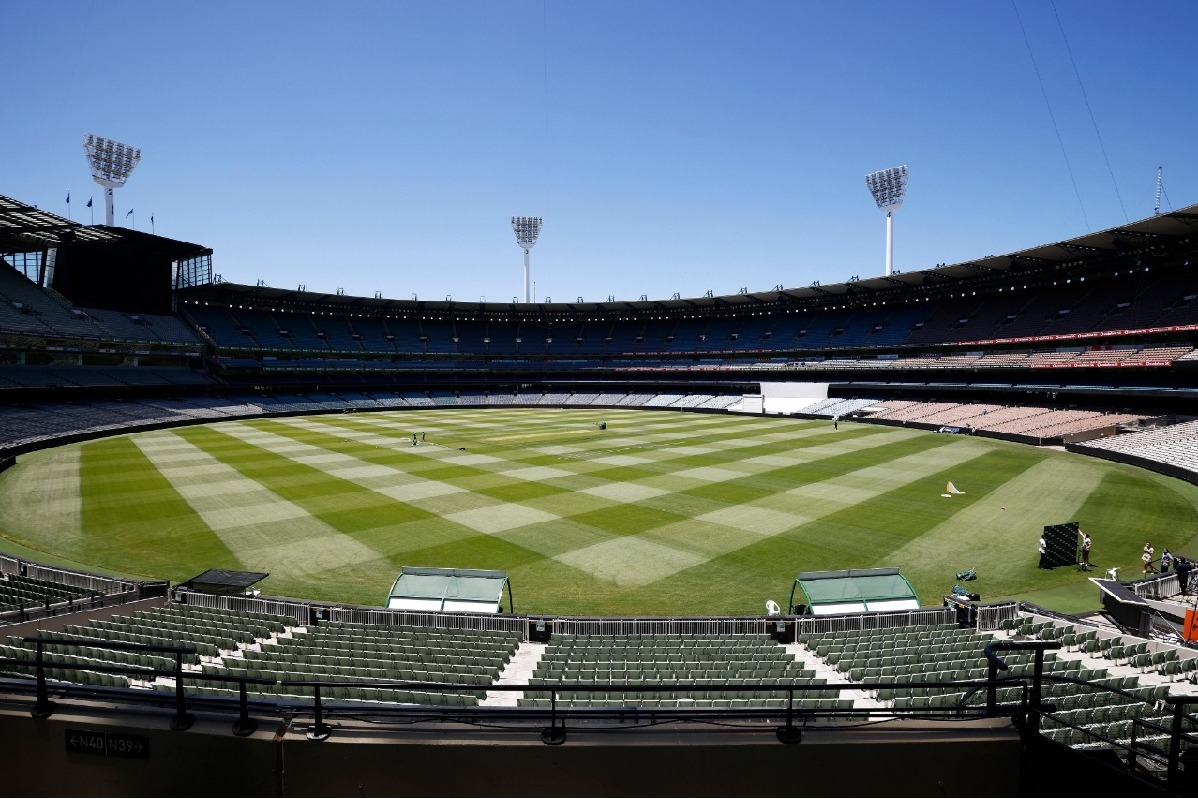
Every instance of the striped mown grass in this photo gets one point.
(661, 513)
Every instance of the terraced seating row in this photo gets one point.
(911, 701)
(666, 642)
(229, 617)
(410, 661)
(793, 671)
(47, 587)
(308, 643)
(242, 630)
(74, 676)
(849, 660)
(664, 656)
(313, 672)
(1137, 654)
(375, 632)
(220, 638)
(203, 649)
(17, 590)
(1070, 697)
(707, 647)
(913, 669)
(335, 693)
(80, 654)
(914, 632)
(324, 634)
(743, 664)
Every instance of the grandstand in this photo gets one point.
(1088, 344)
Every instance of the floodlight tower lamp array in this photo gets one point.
(110, 162)
(888, 188)
(527, 229)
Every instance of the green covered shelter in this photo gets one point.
(449, 590)
(854, 591)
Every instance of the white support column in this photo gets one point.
(889, 242)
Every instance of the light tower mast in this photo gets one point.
(111, 162)
(888, 188)
(527, 229)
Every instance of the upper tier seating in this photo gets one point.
(1176, 445)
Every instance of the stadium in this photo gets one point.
(871, 531)
(608, 495)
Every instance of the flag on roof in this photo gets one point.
(130, 211)
(68, 198)
(89, 202)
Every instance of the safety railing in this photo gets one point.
(1159, 587)
(90, 583)
(476, 622)
(991, 617)
(239, 602)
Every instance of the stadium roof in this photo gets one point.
(855, 591)
(448, 590)
(1151, 236)
(24, 227)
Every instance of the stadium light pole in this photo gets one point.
(527, 229)
(888, 188)
(110, 162)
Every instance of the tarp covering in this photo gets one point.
(223, 581)
(436, 589)
(856, 590)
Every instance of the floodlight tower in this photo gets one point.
(888, 188)
(111, 163)
(527, 229)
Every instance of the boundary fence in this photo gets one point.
(815, 625)
(699, 627)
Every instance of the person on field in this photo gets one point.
(1086, 545)
(1146, 557)
(1182, 570)
(1043, 553)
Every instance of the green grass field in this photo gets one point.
(662, 513)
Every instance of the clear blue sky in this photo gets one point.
(670, 146)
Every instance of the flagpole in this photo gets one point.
(92, 210)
